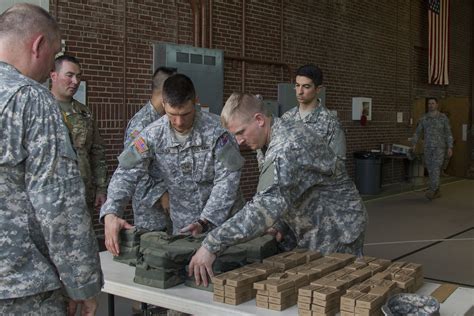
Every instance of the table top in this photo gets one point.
(118, 280)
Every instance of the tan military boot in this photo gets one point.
(437, 194)
(430, 195)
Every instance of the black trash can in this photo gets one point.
(368, 166)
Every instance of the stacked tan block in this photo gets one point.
(236, 286)
(366, 298)
(279, 291)
(323, 296)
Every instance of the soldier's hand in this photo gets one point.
(450, 152)
(88, 307)
(194, 229)
(113, 225)
(100, 200)
(165, 202)
(276, 233)
(201, 266)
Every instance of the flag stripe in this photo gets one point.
(438, 43)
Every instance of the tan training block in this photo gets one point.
(219, 292)
(404, 282)
(350, 298)
(369, 301)
(384, 275)
(303, 312)
(240, 280)
(284, 300)
(262, 292)
(277, 276)
(356, 265)
(240, 289)
(367, 312)
(359, 288)
(285, 264)
(261, 298)
(218, 286)
(260, 285)
(321, 309)
(397, 264)
(326, 293)
(218, 298)
(380, 262)
(332, 302)
(283, 293)
(305, 299)
(262, 304)
(346, 313)
(345, 257)
(305, 306)
(380, 291)
(279, 285)
(338, 285)
(238, 300)
(414, 267)
(241, 294)
(307, 290)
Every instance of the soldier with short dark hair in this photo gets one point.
(187, 153)
(438, 143)
(156, 217)
(302, 183)
(49, 251)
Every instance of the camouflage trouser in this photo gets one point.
(434, 158)
(49, 303)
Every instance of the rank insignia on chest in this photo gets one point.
(134, 134)
(140, 145)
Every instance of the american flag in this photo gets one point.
(438, 42)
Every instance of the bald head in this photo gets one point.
(22, 21)
(29, 40)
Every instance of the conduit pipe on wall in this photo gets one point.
(196, 22)
(244, 5)
(204, 36)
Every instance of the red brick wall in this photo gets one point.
(374, 49)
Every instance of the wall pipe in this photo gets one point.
(204, 38)
(196, 23)
(124, 67)
(211, 13)
(243, 60)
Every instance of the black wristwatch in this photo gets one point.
(204, 225)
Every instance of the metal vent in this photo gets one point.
(182, 57)
(209, 60)
(196, 59)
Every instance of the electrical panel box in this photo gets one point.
(204, 66)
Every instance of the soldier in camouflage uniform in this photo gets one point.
(309, 80)
(156, 217)
(87, 142)
(302, 183)
(438, 142)
(48, 248)
(186, 153)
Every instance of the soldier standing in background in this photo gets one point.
(438, 142)
(302, 183)
(48, 247)
(310, 111)
(89, 146)
(153, 218)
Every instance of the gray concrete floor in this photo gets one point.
(405, 226)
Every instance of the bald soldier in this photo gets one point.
(49, 251)
(302, 183)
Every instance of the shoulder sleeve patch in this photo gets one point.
(133, 154)
(140, 145)
(134, 134)
(228, 153)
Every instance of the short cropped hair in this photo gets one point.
(178, 90)
(431, 98)
(23, 20)
(313, 72)
(243, 106)
(58, 62)
(159, 77)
